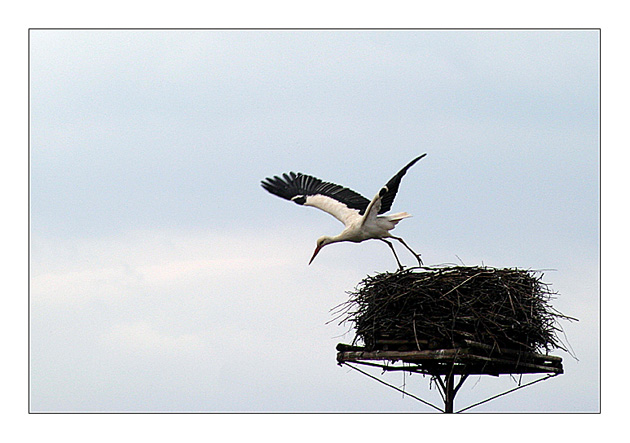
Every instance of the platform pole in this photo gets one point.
(449, 395)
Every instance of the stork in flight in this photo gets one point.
(359, 215)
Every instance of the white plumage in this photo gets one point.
(360, 216)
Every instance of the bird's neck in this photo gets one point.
(346, 235)
(335, 238)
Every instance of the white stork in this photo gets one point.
(359, 215)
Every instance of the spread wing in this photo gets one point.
(342, 203)
(389, 191)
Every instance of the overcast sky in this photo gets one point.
(164, 278)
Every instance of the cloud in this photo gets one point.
(141, 337)
(179, 307)
(182, 320)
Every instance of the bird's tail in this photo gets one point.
(395, 218)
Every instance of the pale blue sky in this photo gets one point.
(164, 278)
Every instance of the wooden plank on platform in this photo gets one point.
(456, 360)
(438, 354)
(525, 354)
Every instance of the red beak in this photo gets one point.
(317, 249)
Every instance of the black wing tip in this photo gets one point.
(403, 171)
(290, 186)
(413, 162)
(286, 178)
(279, 186)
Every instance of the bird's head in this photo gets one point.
(321, 242)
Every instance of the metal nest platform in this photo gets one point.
(471, 358)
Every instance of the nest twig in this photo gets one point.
(503, 308)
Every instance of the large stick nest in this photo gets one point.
(504, 308)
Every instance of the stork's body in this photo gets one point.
(359, 215)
